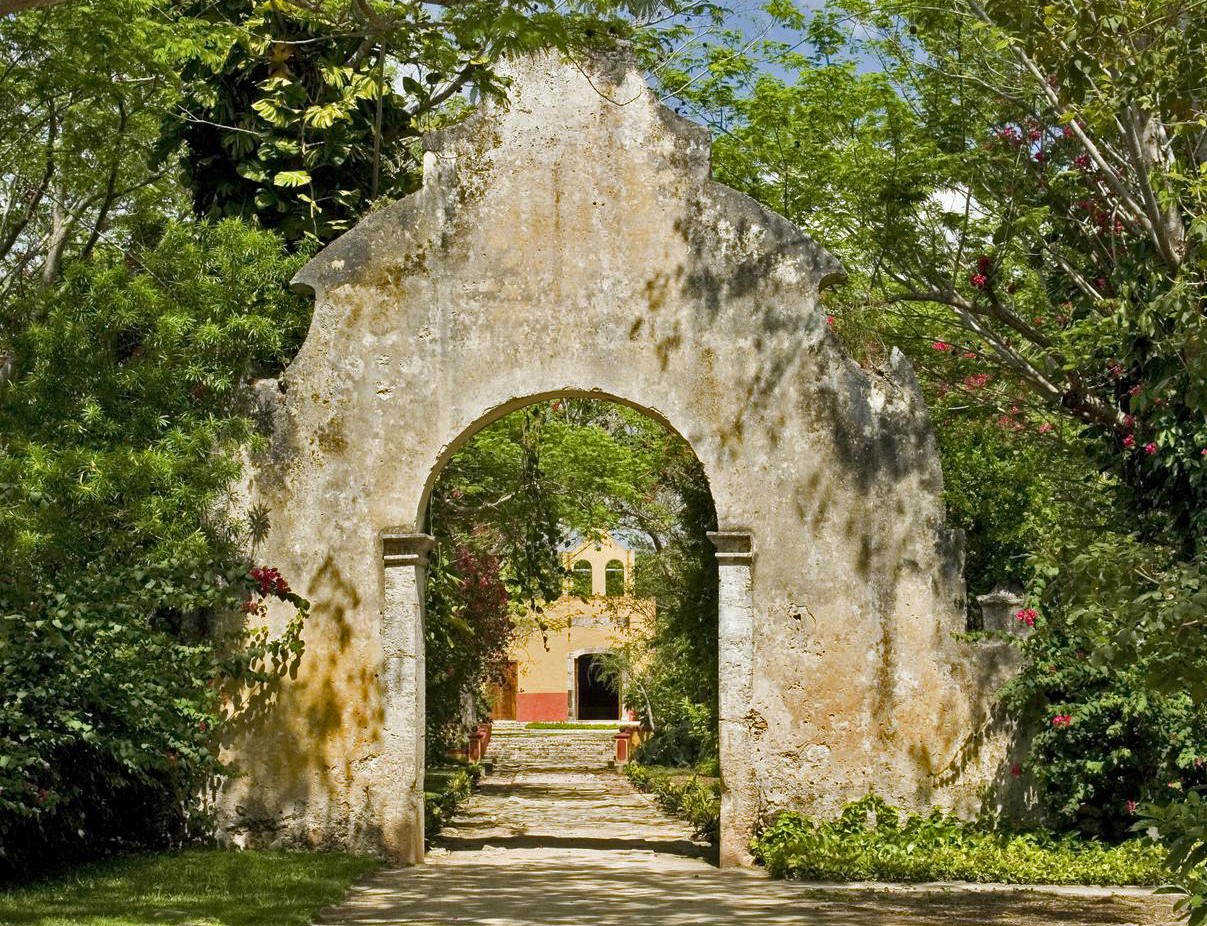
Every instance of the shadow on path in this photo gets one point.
(543, 848)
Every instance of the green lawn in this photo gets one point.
(198, 887)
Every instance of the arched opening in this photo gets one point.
(614, 578)
(572, 581)
(596, 695)
(581, 577)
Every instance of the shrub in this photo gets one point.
(873, 841)
(120, 433)
(451, 787)
(688, 735)
(696, 801)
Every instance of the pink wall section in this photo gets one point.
(541, 705)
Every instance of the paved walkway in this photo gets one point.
(568, 848)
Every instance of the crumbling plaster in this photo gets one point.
(573, 243)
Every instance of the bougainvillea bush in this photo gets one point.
(129, 604)
(1106, 738)
(469, 627)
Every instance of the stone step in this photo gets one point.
(512, 749)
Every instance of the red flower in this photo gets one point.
(978, 280)
(1130, 441)
(270, 579)
(1129, 421)
(1131, 806)
(983, 263)
(1016, 770)
(976, 380)
(1062, 720)
(969, 355)
(43, 795)
(941, 346)
(830, 320)
(1082, 161)
(202, 725)
(249, 606)
(1150, 448)
(1135, 390)
(1046, 427)
(1041, 156)
(1026, 616)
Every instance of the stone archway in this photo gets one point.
(573, 243)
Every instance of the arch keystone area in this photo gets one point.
(573, 243)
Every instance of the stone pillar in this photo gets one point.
(998, 610)
(735, 644)
(400, 771)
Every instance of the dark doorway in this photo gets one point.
(597, 699)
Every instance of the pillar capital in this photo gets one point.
(399, 548)
(734, 548)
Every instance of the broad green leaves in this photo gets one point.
(120, 659)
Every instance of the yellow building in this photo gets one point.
(553, 672)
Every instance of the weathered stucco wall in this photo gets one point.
(573, 244)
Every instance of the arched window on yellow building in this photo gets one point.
(614, 578)
(580, 579)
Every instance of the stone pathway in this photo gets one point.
(573, 847)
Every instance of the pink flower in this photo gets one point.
(1062, 720)
(978, 280)
(1082, 161)
(1203, 452)
(1135, 390)
(969, 355)
(270, 580)
(941, 346)
(1131, 806)
(1026, 616)
(1046, 428)
(976, 380)
(1130, 441)
(1150, 448)
(830, 320)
